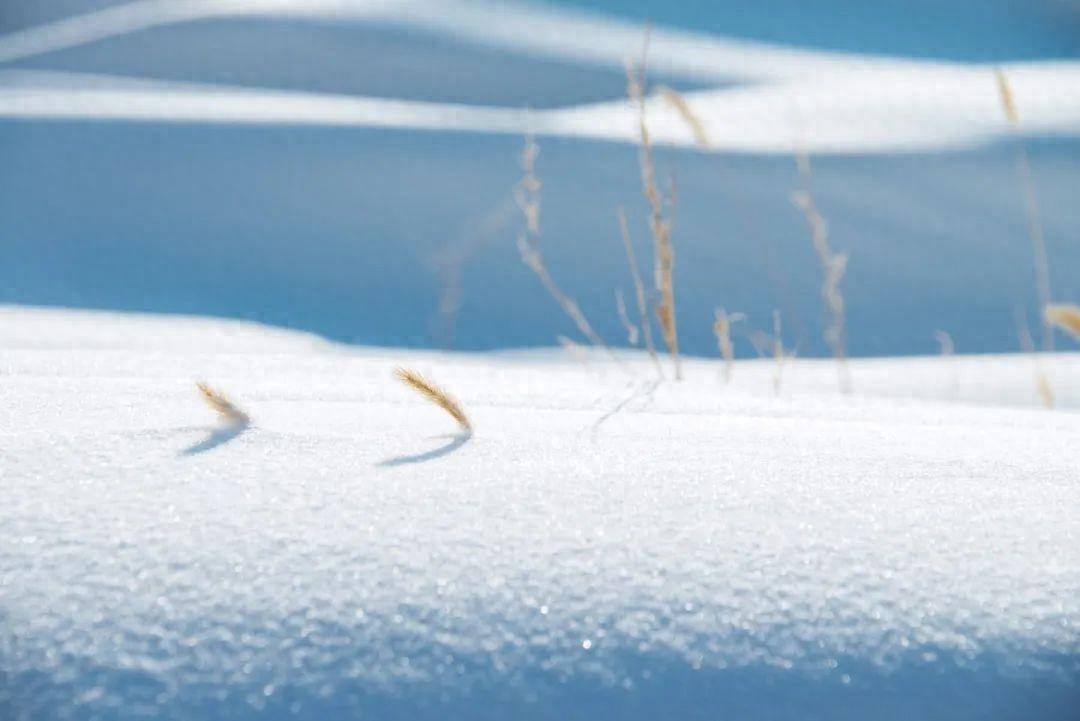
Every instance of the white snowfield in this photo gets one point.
(599, 548)
(775, 97)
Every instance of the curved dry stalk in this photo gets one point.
(1042, 383)
(722, 330)
(659, 224)
(227, 410)
(833, 267)
(435, 394)
(632, 331)
(1065, 316)
(639, 291)
(527, 195)
(692, 119)
(1031, 204)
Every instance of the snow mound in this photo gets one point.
(706, 551)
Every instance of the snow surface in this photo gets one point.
(347, 167)
(707, 551)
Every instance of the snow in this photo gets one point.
(301, 164)
(826, 102)
(909, 551)
(603, 546)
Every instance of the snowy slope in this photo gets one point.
(705, 552)
(346, 168)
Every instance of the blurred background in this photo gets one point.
(348, 167)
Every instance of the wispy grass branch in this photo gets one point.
(833, 267)
(527, 194)
(659, 224)
(722, 330)
(1031, 204)
(639, 291)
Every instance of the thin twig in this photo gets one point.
(722, 331)
(639, 291)
(833, 266)
(527, 195)
(659, 225)
(1031, 205)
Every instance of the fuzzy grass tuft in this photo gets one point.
(435, 394)
(1065, 316)
(227, 411)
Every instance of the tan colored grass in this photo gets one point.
(692, 119)
(722, 330)
(227, 411)
(1008, 100)
(1040, 257)
(1042, 384)
(1065, 316)
(435, 394)
(639, 290)
(659, 224)
(527, 194)
(632, 331)
(833, 267)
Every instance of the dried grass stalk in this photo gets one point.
(1008, 101)
(659, 225)
(632, 331)
(227, 411)
(527, 195)
(1042, 384)
(722, 331)
(1065, 316)
(1031, 205)
(833, 266)
(779, 354)
(435, 394)
(945, 342)
(692, 119)
(639, 291)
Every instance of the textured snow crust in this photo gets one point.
(707, 551)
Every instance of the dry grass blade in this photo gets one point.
(1042, 384)
(639, 291)
(1065, 316)
(1008, 101)
(227, 410)
(692, 119)
(833, 266)
(659, 225)
(435, 394)
(1031, 205)
(722, 330)
(632, 331)
(527, 195)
